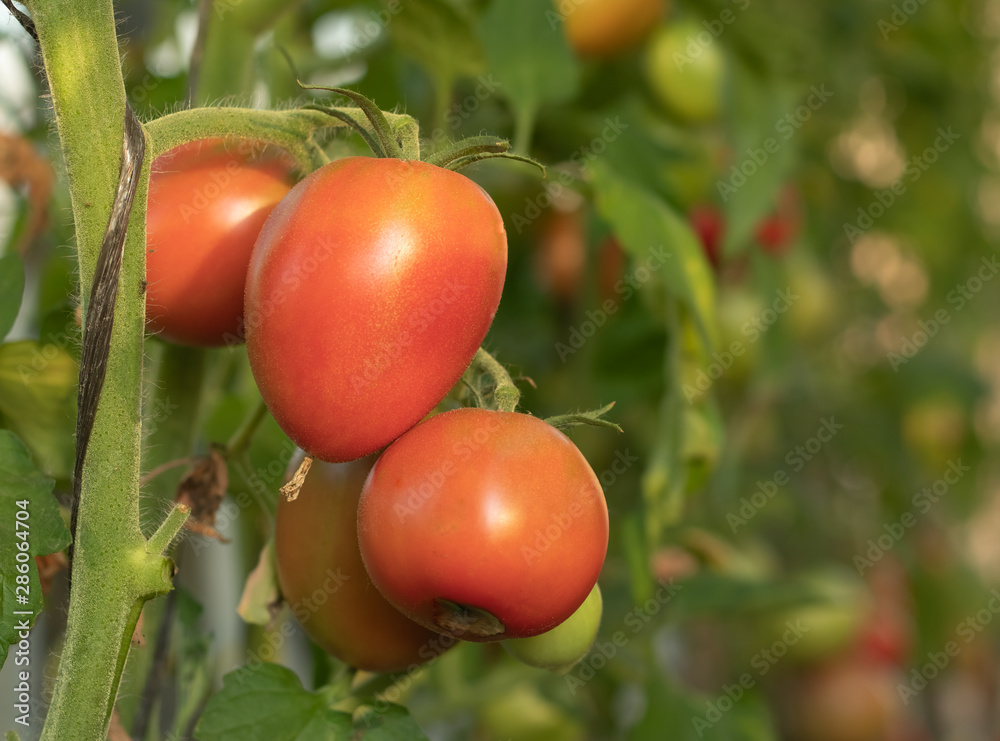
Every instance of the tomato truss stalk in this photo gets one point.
(389, 142)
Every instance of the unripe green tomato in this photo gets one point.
(825, 628)
(561, 648)
(523, 714)
(324, 580)
(686, 75)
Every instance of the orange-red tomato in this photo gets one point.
(207, 202)
(484, 525)
(324, 580)
(604, 28)
(561, 255)
(370, 289)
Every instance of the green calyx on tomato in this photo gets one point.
(483, 525)
(403, 142)
(561, 648)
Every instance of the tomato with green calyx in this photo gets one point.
(484, 525)
(370, 289)
(686, 76)
(561, 648)
(324, 580)
(207, 202)
(604, 28)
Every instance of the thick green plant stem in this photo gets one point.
(112, 570)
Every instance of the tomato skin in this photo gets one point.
(492, 510)
(317, 550)
(370, 289)
(199, 244)
(604, 28)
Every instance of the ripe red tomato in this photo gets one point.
(604, 28)
(207, 202)
(370, 289)
(324, 580)
(494, 512)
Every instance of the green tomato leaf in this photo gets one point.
(663, 242)
(30, 524)
(392, 723)
(38, 401)
(268, 703)
(529, 58)
(11, 290)
(441, 35)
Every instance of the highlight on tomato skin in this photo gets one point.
(207, 202)
(324, 580)
(371, 287)
(484, 525)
